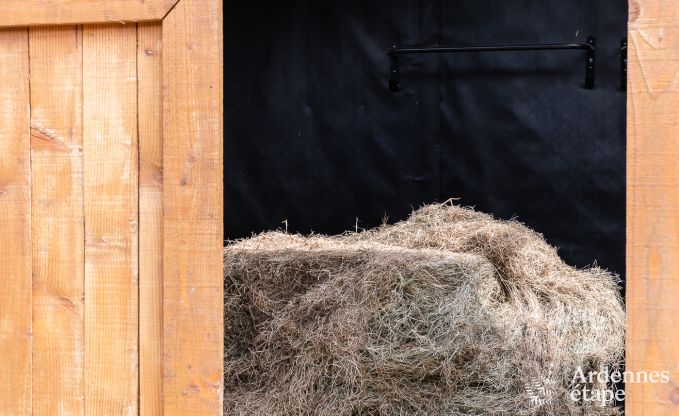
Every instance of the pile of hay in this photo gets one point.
(448, 313)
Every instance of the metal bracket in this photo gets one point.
(623, 64)
(394, 72)
(590, 64)
(589, 46)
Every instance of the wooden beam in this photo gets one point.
(68, 12)
(193, 209)
(15, 226)
(150, 219)
(58, 233)
(653, 205)
(111, 219)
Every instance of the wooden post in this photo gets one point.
(193, 282)
(653, 205)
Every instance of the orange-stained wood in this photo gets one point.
(101, 167)
(653, 205)
(68, 12)
(57, 221)
(111, 219)
(193, 209)
(150, 219)
(15, 226)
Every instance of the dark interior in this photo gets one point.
(315, 139)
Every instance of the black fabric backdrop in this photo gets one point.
(313, 135)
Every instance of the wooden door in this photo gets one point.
(111, 207)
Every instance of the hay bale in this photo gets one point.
(448, 313)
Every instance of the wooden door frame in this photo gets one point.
(193, 189)
(192, 178)
(653, 204)
(22, 13)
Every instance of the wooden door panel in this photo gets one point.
(111, 207)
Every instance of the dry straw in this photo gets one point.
(448, 313)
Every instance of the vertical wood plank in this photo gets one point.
(150, 219)
(15, 226)
(111, 218)
(193, 209)
(58, 234)
(653, 205)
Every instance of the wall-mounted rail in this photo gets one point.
(589, 47)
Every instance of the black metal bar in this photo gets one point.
(497, 48)
(623, 64)
(589, 46)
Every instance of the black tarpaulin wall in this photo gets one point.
(314, 137)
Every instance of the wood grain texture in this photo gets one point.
(65, 12)
(653, 205)
(111, 219)
(193, 209)
(58, 233)
(150, 219)
(15, 226)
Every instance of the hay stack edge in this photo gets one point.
(450, 312)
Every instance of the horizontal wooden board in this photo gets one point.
(65, 12)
